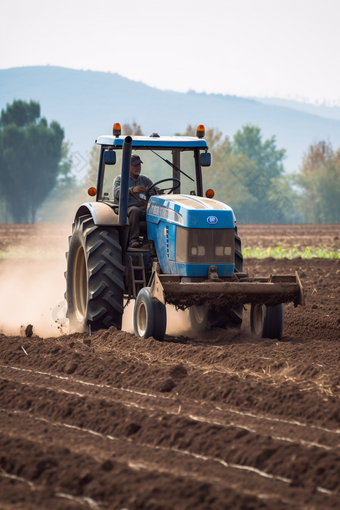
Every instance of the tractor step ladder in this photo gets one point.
(139, 267)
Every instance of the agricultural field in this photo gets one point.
(222, 420)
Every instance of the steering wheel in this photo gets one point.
(161, 191)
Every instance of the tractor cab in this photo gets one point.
(175, 160)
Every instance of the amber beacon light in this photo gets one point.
(117, 130)
(92, 192)
(210, 193)
(200, 131)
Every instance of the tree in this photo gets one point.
(66, 182)
(132, 129)
(66, 196)
(319, 181)
(20, 113)
(32, 158)
(246, 174)
(92, 174)
(264, 155)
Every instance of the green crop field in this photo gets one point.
(278, 252)
(290, 253)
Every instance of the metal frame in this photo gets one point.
(175, 159)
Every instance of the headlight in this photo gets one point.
(198, 250)
(222, 250)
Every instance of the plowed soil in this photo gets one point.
(214, 421)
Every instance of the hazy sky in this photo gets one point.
(245, 47)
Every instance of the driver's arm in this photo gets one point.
(116, 188)
(149, 182)
(146, 181)
(133, 191)
(138, 189)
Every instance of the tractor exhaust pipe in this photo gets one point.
(125, 179)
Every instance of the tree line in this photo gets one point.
(34, 160)
(247, 172)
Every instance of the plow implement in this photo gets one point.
(218, 293)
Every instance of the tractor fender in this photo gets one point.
(102, 213)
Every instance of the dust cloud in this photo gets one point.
(178, 322)
(32, 283)
(32, 292)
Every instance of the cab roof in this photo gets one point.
(154, 141)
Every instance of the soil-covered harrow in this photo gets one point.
(240, 290)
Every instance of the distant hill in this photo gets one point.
(329, 112)
(86, 104)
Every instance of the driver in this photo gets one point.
(137, 198)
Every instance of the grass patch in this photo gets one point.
(278, 252)
(290, 253)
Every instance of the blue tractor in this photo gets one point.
(191, 256)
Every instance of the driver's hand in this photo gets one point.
(154, 191)
(139, 189)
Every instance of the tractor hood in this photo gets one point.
(190, 211)
(190, 234)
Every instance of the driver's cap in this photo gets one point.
(135, 160)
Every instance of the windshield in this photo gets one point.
(156, 169)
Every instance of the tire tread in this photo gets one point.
(105, 274)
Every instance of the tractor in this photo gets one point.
(191, 253)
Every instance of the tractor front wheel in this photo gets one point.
(267, 321)
(149, 316)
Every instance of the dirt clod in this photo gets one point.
(29, 330)
(166, 386)
(71, 367)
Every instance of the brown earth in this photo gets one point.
(269, 236)
(220, 421)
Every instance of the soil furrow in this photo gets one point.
(186, 408)
(162, 460)
(107, 479)
(229, 444)
(145, 359)
(261, 396)
(16, 495)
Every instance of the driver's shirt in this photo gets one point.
(142, 180)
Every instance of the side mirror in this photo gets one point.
(205, 159)
(109, 157)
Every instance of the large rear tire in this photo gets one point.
(149, 316)
(94, 277)
(203, 317)
(267, 321)
(238, 253)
